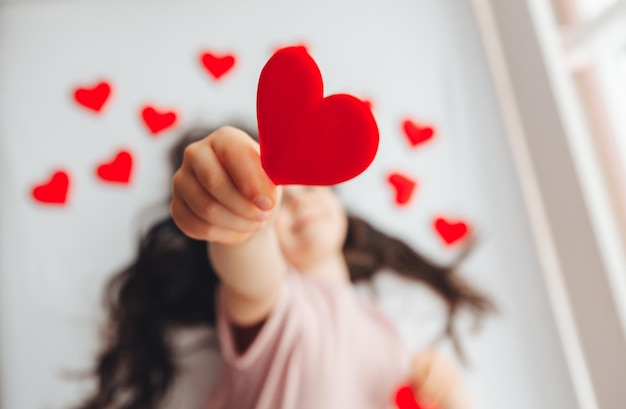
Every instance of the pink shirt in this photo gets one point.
(322, 347)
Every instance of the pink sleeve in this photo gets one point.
(320, 347)
(264, 338)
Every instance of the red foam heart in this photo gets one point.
(54, 191)
(157, 121)
(117, 170)
(404, 187)
(450, 231)
(306, 138)
(405, 398)
(415, 133)
(93, 98)
(216, 65)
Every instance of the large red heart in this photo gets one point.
(93, 98)
(305, 138)
(118, 170)
(403, 186)
(450, 231)
(157, 121)
(53, 191)
(405, 398)
(417, 134)
(217, 66)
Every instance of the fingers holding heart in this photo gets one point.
(201, 165)
(199, 229)
(207, 208)
(217, 187)
(242, 162)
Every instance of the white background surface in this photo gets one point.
(421, 59)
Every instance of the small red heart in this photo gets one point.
(415, 133)
(405, 398)
(404, 187)
(450, 231)
(54, 191)
(93, 98)
(157, 121)
(217, 66)
(306, 138)
(118, 170)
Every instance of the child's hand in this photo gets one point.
(435, 382)
(221, 192)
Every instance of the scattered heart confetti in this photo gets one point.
(93, 98)
(405, 398)
(157, 121)
(117, 170)
(216, 65)
(306, 138)
(404, 187)
(417, 134)
(450, 231)
(54, 191)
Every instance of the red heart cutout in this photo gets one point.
(305, 138)
(405, 398)
(118, 170)
(415, 133)
(93, 98)
(54, 191)
(450, 231)
(217, 66)
(403, 186)
(157, 121)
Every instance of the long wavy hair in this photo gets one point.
(171, 283)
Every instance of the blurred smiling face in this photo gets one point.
(311, 224)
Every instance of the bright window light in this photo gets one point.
(591, 8)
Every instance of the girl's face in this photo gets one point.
(311, 224)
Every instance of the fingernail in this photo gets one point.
(263, 202)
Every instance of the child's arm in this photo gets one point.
(218, 197)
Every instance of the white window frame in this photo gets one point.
(573, 218)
